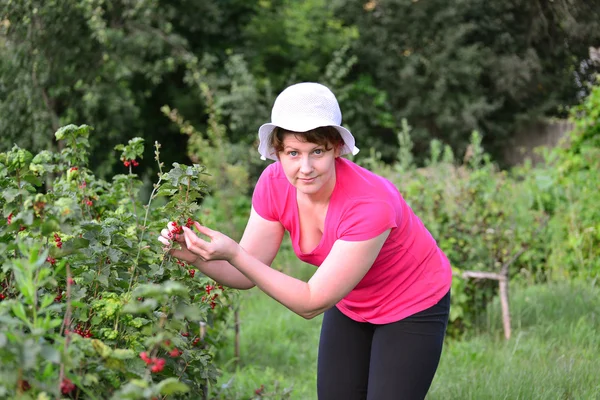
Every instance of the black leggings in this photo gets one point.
(396, 361)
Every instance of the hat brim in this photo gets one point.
(268, 152)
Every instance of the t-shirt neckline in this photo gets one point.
(325, 224)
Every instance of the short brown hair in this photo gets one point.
(326, 136)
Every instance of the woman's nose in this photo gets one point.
(306, 166)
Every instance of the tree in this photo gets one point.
(111, 65)
(454, 67)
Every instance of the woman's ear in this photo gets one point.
(338, 149)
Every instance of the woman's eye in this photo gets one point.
(293, 153)
(318, 151)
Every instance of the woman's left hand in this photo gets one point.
(219, 247)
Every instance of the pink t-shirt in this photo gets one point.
(409, 275)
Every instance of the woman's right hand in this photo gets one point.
(168, 238)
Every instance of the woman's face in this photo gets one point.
(308, 166)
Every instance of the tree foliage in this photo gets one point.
(454, 67)
(446, 67)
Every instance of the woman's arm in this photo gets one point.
(342, 270)
(261, 240)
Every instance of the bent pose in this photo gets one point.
(382, 282)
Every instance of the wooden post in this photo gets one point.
(502, 279)
(504, 302)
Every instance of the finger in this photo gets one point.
(204, 230)
(193, 242)
(170, 235)
(164, 241)
(183, 255)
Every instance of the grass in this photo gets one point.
(554, 352)
(278, 349)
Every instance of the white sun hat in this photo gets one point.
(300, 108)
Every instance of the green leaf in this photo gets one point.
(48, 370)
(10, 194)
(19, 311)
(49, 353)
(90, 379)
(30, 354)
(146, 307)
(122, 354)
(43, 396)
(103, 278)
(103, 350)
(34, 180)
(49, 226)
(172, 386)
(46, 301)
(139, 322)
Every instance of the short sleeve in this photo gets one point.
(263, 200)
(366, 220)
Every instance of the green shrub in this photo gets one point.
(90, 305)
(542, 223)
(574, 170)
(481, 217)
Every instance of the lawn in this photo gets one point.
(554, 352)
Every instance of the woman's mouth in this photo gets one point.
(307, 180)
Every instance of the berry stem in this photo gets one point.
(144, 227)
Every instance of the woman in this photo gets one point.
(382, 282)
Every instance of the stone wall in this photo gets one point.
(541, 134)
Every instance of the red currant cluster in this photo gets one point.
(38, 207)
(66, 386)
(192, 272)
(59, 295)
(175, 352)
(87, 202)
(51, 260)
(127, 163)
(260, 390)
(156, 364)
(212, 298)
(9, 221)
(23, 385)
(86, 333)
(175, 229)
(58, 241)
(187, 334)
(4, 285)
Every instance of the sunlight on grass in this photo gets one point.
(554, 352)
(276, 345)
